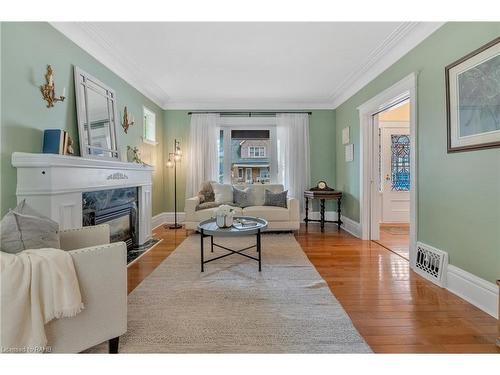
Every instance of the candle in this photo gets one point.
(64, 92)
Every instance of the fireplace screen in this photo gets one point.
(115, 207)
(120, 229)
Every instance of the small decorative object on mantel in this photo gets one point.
(473, 99)
(126, 122)
(134, 155)
(48, 90)
(69, 147)
(224, 216)
(57, 141)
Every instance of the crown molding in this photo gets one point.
(406, 37)
(261, 104)
(88, 37)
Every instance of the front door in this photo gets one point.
(395, 174)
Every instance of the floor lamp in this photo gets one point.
(173, 159)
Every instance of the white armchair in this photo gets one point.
(101, 268)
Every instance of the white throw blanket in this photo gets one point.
(36, 287)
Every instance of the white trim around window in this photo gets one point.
(149, 126)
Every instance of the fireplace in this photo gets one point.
(76, 191)
(118, 209)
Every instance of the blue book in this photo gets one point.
(53, 141)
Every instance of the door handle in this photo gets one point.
(387, 177)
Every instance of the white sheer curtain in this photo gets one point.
(202, 154)
(292, 132)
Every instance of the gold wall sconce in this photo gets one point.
(126, 122)
(48, 90)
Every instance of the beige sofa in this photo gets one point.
(280, 219)
(101, 268)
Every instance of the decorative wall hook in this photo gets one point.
(48, 90)
(126, 123)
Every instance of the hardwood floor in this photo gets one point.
(394, 309)
(396, 237)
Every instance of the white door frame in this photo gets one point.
(407, 87)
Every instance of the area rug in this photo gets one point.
(234, 308)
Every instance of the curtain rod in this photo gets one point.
(249, 114)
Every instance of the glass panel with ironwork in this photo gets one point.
(400, 162)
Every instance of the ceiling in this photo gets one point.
(247, 65)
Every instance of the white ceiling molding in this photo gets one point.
(406, 37)
(262, 104)
(102, 45)
(88, 37)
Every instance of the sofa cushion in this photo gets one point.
(242, 198)
(276, 199)
(205, 205)
(223, 192)
(258, 192)
(208, 213)
(269, 213)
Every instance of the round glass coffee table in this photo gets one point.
(209, 228)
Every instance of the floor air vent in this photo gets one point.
(431, 263)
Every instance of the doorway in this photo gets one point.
(393, 128)
(388, 191)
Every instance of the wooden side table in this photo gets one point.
(323, 195)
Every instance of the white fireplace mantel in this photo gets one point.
(53, 185)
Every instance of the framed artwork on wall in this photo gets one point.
(473, 99)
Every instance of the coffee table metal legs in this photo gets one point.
(257, 245)
(258, 250)
(202, 237)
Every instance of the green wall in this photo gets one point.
(26, 49)
(458, 194)
(322, 138)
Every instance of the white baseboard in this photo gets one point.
(348, 225)
(351, 226)
(479, 292)
(166, 218)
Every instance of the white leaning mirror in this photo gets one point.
(96, 112)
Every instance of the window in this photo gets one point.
(257, 151)
(247, 151)
(400, 162)
(149, 126)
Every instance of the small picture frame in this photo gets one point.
(349, 152)
(473, 99)
(345, 135)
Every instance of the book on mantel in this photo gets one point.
(55, 141)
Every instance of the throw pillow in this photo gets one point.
(24, 228)
(205, 205)
(276, 199)
(223, 192)
(206, 194)
(258, 192)
(242, 198)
